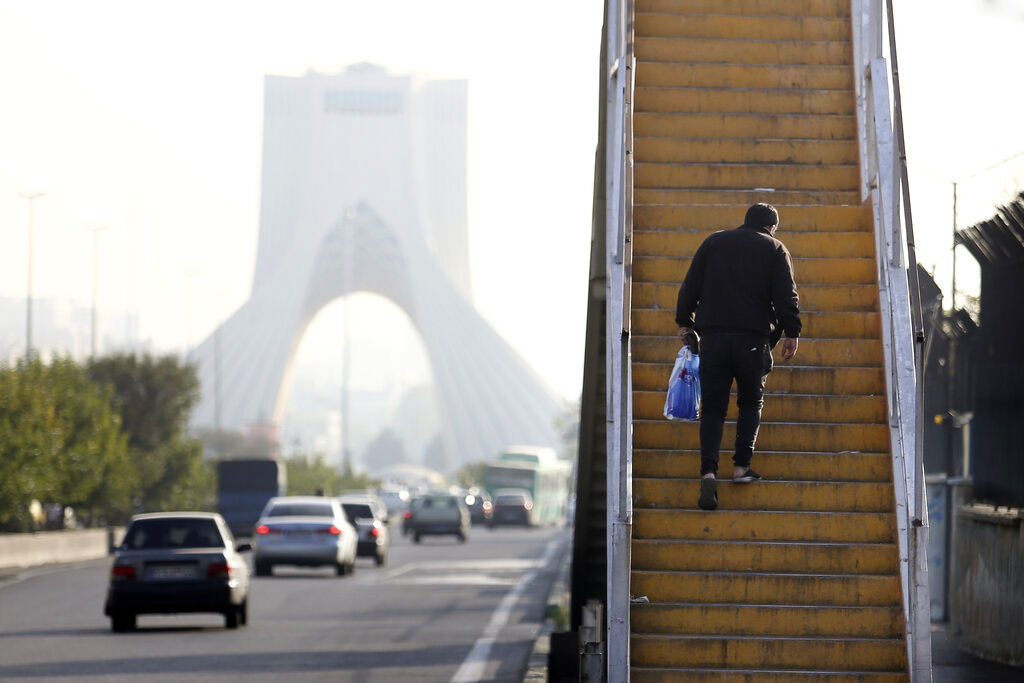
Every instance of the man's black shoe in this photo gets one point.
(747, 477)
(708, 493)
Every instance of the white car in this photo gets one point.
(307, 531)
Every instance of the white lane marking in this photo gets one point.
(475, 664)
(456, 580)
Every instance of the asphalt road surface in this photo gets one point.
(438, 611)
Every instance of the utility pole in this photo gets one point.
(95, 230)
(31, 197)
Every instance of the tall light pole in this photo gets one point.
(31, 197)
(95, 230)
(956, 222)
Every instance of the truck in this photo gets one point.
(243, 489)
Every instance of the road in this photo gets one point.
(439, 611)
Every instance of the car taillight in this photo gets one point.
(374, 531)
(122, 572)
(332, 529)
(528, 505)
(219, 570)
(263, 529)
(487, 506)
(406, 515)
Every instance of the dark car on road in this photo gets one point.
(439, 514)
(513, 507)
(480, 507)
(370, 518)
(177, 562)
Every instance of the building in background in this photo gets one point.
(364, 190)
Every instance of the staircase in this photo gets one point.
(795, 578)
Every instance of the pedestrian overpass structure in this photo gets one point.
(364, 190)
(818, 572)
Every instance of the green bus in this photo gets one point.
(539, 471)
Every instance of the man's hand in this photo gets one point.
(683, 331)
(789, 347)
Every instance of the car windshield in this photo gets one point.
(301, 510)
(173, 533)
(510, 500)
(358, 510)
(440, 503)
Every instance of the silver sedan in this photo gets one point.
(307, 531)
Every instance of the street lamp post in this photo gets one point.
(95, 230)
(31, 197)
(956, 222)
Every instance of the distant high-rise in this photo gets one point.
(364, 189)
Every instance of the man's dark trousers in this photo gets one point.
(725, 356)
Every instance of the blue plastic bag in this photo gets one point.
(683, 400)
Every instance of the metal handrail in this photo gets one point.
(917, 317)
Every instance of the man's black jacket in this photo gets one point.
(740, 280)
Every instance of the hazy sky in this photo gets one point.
(146, 117)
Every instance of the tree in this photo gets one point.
(155, 397)
(471, 474)
(60, 442)
(310, 475)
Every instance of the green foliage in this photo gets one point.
(471, 474)
(310, 475)
(60, 441)
(155, 396)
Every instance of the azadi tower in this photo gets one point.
(364, 190)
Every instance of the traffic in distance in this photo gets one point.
(189, 562)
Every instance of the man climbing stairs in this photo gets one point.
(795, 577)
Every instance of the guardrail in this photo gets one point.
(619, 231)
(884, 179)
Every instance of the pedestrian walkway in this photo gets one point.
(950, 664)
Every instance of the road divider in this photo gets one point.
(48, 547)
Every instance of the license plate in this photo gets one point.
(298, 535)
(172, 572)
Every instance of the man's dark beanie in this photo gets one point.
(761, 216)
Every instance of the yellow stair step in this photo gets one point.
(711, 217)
(731, 26)
(805, 496)
(812, 352)
(720, 652)
(812, 297)
(850, 558)
(773, 465)
(647, 124)
(741, 199)
(767, 620)
(683, 243)
(812, 271)
(839, 325)
(742, 101)
(640, 674)
(772, 436)
(784, 378)
(744, 525)
(730, 51)
(783, 407)
(823, 177)
(754, 588)
(796, 76)
(754, 150)
(791, 8)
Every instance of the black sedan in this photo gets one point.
(177, 562)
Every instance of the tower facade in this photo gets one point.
(364, 190)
